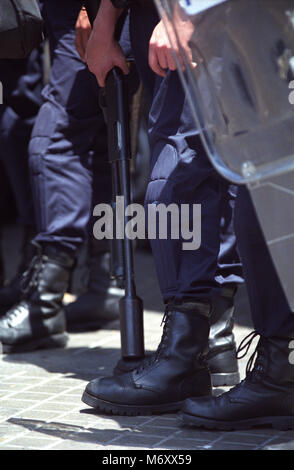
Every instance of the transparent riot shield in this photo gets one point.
(236, 63)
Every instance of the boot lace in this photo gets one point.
(255, 364)
(14, 314)
(161, 347)
(30, 277)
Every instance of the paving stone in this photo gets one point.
(280, 446)
(37, 415)
(16, 403)
(55, 406)
(51, 388)
(130, 420)
(8, 447)
(20, 380)
(7, 370)
(132, 440)
(202, 435)
(34, 371)
(67, 400)
(5, 435)
(25, 442)
(6, 387)
(170, 421)
(71, 445)
(244, 438)
(181, 444)
(9, 427)
(155, 430)
(32, 395)
(7, 412)
(231, 446)
(281, 441)
(65, 381)
(108, 448)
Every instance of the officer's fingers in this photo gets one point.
(171, 61)
(161, 53)
(123, 65)
(103, 72)
(84, 39)
(119, 59)
(101, 80)
(101, 76)
(79, 44)
(154, 62)
(98, 71)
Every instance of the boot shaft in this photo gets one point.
(99, 265)
(185, 334)
(273, 360)
(47, 278)
(221, 335)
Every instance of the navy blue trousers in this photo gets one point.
(181, 173)
(270, 310)
(22, 84)
(69, 139)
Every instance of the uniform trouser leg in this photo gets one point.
(63, 138)
(229, 268)
(22, 83)
(15, 135)
(181, 174)
(67, 128)
(270, 310)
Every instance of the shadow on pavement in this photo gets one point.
(128, 428)
(77, 363)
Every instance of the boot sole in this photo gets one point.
(129, 410)
(283, 423)
(50, 342)
(225, 379)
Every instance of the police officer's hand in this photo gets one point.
(103, 51)
(161, 46)
(102, 55)
(83, 31)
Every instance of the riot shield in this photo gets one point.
(236, 63)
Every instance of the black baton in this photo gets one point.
(115, 102)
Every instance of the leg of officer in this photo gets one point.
(62, 138)
(266, 396)
(22, 82)
(181, 173)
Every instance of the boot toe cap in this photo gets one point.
(206, 413)
(204, 407)
(110, 389)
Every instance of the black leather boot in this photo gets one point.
(221, 357)
(38, 320)
(99, 304)
(162, 382)
(264, 397)
(11, 292)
